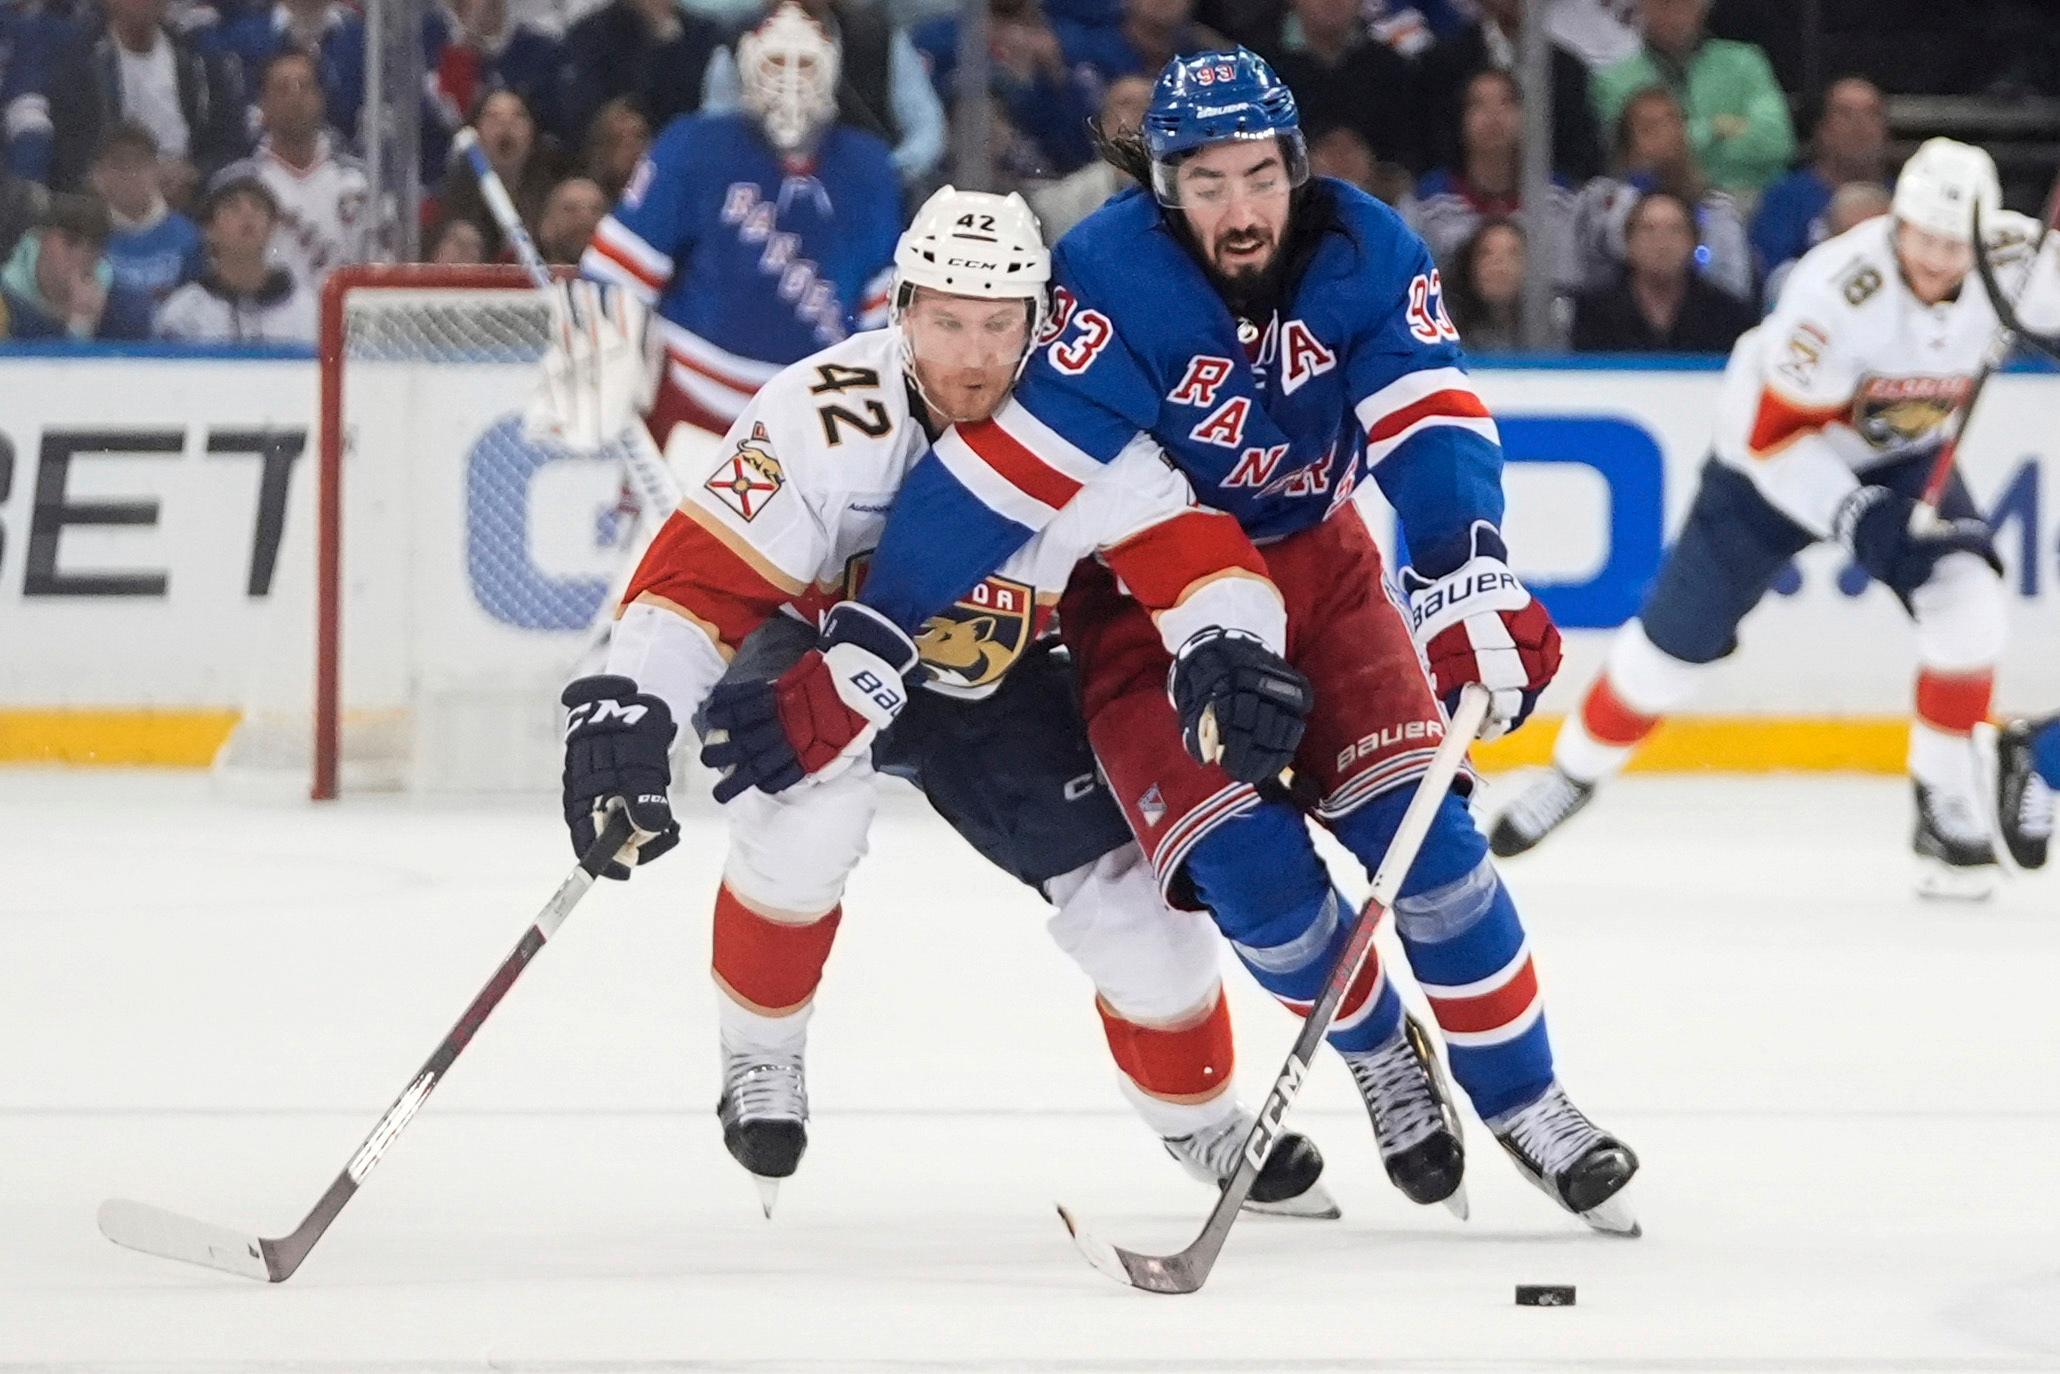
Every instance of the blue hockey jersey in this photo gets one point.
(752, 265)
(1359, 371)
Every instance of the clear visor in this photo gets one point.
(1182, 184)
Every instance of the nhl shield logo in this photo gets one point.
(750, 477)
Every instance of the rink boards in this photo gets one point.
(157, 550)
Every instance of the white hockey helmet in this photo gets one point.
(1941, 185)
(787, 68)
(973, 243)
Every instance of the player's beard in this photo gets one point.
(1249, 288)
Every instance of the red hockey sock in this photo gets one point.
(771, 967)
(1609, 720)
(1954, 703)
(1185, 1063)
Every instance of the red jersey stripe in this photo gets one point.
(1452, 403)
(1017, 465)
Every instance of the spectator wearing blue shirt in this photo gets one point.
(1045, 97)
(57, 284)
(471, 47)
(1153, 33)
(332, 33)
(1850, 144)
(650, 52)
(153, 249)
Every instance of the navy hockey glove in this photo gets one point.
(1874, 523)
(1242, 706)
(616, 743)
(1476, 622)
(816, 717)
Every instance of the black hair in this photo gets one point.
(1462, 283)
(1312, 213)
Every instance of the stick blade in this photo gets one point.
(1151, 1273)
(155, 1231)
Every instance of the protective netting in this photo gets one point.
(476, 326)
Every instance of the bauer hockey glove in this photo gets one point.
(1242, 706)
(600, 367)
(1476, 622)
(816, 717)
(1875, 523)
(616, 744)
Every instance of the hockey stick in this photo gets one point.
(1187, 1270)
(657, 492)
(155, 1231)
(2011, 329)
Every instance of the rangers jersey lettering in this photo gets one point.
(750, 264)
(1275, 421)
(1851, 370)
(786, 517)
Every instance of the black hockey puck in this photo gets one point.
(1544, 1295)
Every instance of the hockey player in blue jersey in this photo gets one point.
(759, 237)
(1280, 337)
(2021, 764)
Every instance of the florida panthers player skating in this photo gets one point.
(1279, 337)
(1830, 417)
(773, 531)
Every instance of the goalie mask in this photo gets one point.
(968, 257)
(787, 68)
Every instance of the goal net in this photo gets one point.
(458, 572)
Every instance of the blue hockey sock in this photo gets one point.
(2045, 752)
(1261, 876)
(1468, 950)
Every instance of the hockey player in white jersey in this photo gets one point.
(775, 530)
(1830, 419)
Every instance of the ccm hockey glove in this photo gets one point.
(816, 717)
(1475, 622)
(616, 745)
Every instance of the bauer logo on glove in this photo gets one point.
(1476, 622)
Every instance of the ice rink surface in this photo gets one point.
(1847, 1101)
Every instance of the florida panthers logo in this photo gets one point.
(1896, 412)
(750, 477)
(975, 642)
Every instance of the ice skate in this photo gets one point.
(764, 1112)
(1548, 801)
(1286, 1186)
(1571, 1160)
(1413, 1118)
(1955, 859)
(2015, 801)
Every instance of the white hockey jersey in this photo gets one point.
(1851, 370)
(325, 214)
(783, 520)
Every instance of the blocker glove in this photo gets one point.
(1875, 523)
(816, 717)
(1242, 706)
(616, 745)
(1475, 622)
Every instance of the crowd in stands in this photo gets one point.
(192, 170)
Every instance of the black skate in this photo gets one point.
(1413, 1118)
(1571, 1160)
(2016, 802)
(764, 1113)
(1956, 861)
(1547, 802)
(1287, 1185)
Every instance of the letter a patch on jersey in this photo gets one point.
(750, 477)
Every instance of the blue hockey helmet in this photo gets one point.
(1219, 97)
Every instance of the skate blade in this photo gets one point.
(1941, 882)
(1315, 1203)
(768, 1193)
(1457, 1204)
(1613, 1217)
